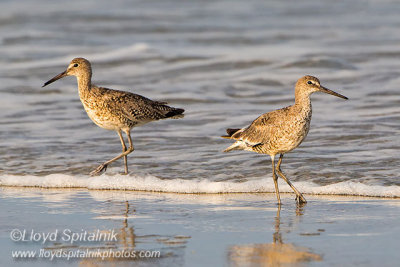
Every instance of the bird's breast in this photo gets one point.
(104, 116)
(290, 134)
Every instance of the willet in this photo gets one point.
(115, 110)
(282, 130)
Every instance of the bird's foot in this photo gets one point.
(98, 170)
(300, 199)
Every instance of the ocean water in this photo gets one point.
(225, 63)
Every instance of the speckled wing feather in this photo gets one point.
(137, 108)
(262, 128)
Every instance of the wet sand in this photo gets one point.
(202, 229)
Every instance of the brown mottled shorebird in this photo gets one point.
(115, 110)
(282, 130)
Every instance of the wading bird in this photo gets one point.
(280, 131)
(115, 110)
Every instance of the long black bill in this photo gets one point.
(326, 90)
(55, 78)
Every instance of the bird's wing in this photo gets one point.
(255, 134)
(136, 107)
(262, 128)
(143, 109)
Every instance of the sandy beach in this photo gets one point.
(199, 229)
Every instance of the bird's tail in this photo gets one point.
(230, 132)
(233, 134)
(238, 145)
(175, 113)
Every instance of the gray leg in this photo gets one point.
(123, 150)
(299, 196)
(275, 180)
(103, 166)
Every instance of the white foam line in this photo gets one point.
(153, 184)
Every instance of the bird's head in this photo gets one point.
(309, 84)
(77, 67)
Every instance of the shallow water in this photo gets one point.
(225, 62)
(202, 229)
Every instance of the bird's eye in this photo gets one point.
(309, 82)
(76, 65)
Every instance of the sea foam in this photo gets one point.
(199, 186)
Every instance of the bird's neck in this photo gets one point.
(303, 103)
(84, 84)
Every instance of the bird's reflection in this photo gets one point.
(277, 236)
(126, 241)
(276, 253)
(127, 234)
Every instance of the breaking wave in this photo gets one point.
(199, 186)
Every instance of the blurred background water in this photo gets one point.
(225, 62)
